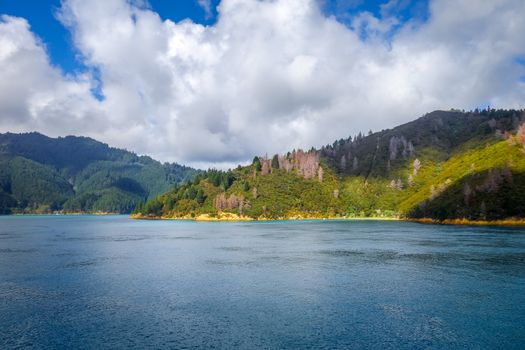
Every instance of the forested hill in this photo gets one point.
(444, 165)
(435, 136)
(39, 174)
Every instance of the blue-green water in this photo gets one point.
(111, 282)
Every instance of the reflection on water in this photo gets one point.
(105, 282)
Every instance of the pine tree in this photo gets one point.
(200, 197)
(257, 163)
(275, 162)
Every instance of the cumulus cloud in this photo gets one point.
(267, 77)
(33, 92)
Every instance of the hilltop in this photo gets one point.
(39, 174)
(444, 165)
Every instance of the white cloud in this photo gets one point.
(269, 76)
(36, 95)
(206, 6)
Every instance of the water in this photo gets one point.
(111, 282)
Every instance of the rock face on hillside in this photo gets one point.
(304, 164)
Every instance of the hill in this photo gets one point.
(444, 165)
(39, 174)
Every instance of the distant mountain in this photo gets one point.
(444, 165)
(39, 174)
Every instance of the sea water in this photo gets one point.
(100, 282)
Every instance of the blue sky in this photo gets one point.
(250, 77)
(42, 16)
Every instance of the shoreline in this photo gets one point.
(229, 217)
(468, 222)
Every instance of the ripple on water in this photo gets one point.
(7, 235)
(90, 262)
(17, 250)
(339, 253)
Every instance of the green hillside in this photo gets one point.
(39, 174)
(443, 165)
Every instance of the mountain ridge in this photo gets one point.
(77, 174)
(394, 172)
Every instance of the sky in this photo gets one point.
(211, 83)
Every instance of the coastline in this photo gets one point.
(468, 222)
(230, 217)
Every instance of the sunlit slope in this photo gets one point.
(480, 183)
(443, 165)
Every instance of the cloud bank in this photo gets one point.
(267, 77)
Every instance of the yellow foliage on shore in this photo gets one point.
(506, 222)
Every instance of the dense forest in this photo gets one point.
(39, 174)
(444, 165)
